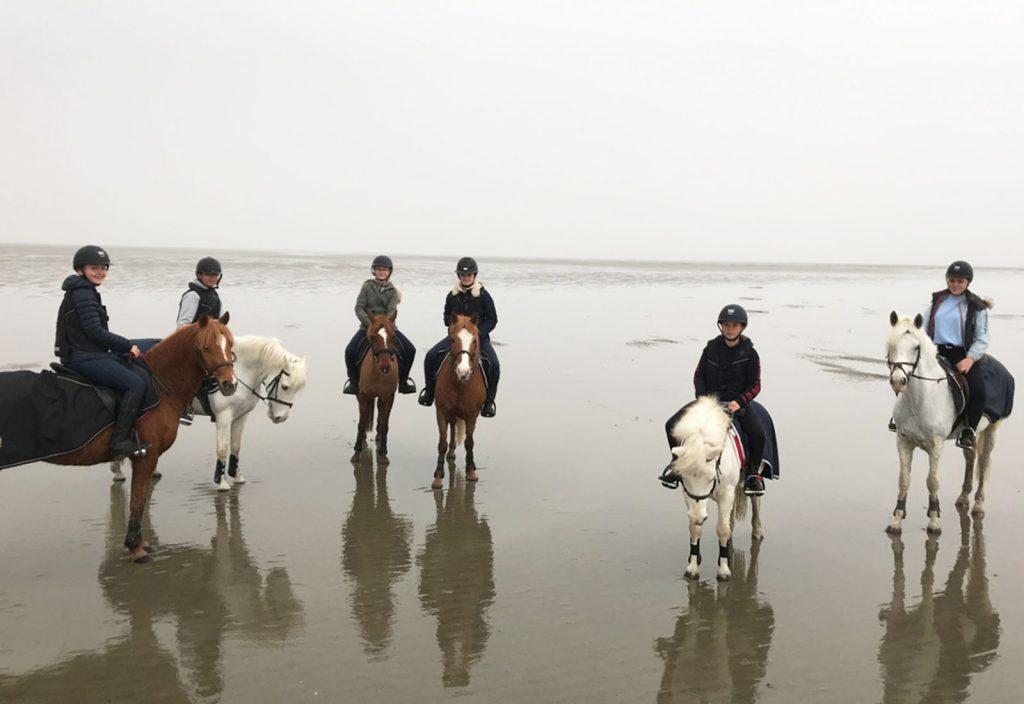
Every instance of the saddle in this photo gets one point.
(958, 388)
(999, 389)
(738, 439)
(46, 414)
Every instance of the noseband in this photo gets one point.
(272, 387)
(210, 372)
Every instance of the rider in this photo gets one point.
(957, 321)
(729, 368)
(378, 296)
(201, 297)
(84, 343)
(467, 297)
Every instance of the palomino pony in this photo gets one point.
(458, 396)
(378, 379)
(261, 362)
(708, 468)
(924, 414)
(179, 365)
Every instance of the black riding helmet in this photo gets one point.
(90, 254)
(466, 265)
(733, 313)
(382, 261)
(960, 270)
(208, 265)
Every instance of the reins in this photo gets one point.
(272, 387)
(893, 366)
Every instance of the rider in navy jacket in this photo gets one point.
(468, 297)
(85, 344)
(729, 368)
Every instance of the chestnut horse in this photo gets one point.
(378, 379)
(459, 395)
(179, 365)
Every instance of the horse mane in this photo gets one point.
(700, 432)
(904, 326)
(269, 352)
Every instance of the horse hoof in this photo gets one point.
(962, 503)
(120, 477)
(437, 483)
(724, 577)
(471, 475)
(223, 486)
(239, 479)
(691, 575)
(933, 531)
(383, 459)
(893, 530)
(978, 512)
(149, 549)
(757, 536)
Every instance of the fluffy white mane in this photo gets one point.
(267, 353)
(700, 433)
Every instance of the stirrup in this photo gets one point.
(407, 386)
(754, 485)
(350, 388)
(426, 397)
(489, 409)
(967, 438)
(892, 425)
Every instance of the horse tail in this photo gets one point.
(369, 419)
(460, 432)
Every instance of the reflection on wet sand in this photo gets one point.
(205, 592)
(930, 652)
(719, 651)
(375, 552)
(457, 579)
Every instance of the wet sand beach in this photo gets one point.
(558, 577)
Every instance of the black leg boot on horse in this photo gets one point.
(121, 443)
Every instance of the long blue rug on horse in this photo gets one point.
(999, 387)
(43, 415)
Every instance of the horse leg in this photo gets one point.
(223, 440)
(236, 447)
(725, 506)
(986, 442)
(365, 406)
(470, 462)
(906, 452)
(934, 453)
(453, 441)
(384, 405)
(755, 519)
(693, 562)
(964, 500)
(442, 447)
(115, 469)
(142, 474)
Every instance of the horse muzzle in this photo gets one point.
(227, 386)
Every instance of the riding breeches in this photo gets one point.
(406, 354)
(975, 383)
(109, 371)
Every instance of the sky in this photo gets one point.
(871, 131)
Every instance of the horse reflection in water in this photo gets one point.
(376, 551)
(205, 592)
(930, 651)
(719, 651)
(457, 579)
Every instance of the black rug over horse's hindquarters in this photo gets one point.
(44, 415)
(771, 443)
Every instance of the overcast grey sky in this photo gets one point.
(867, 131)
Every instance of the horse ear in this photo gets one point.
(203, 320)
(918, 320)
(225, 318)
(893, 318)
(475, 319)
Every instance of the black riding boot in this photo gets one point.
(489, 409)
(427, 395)
(122, 444)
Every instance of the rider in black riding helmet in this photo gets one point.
(729, 368)
(467, 297)
(201, 296)
(84, 343)
(378, 296)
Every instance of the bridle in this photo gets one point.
(714, 481)
(902, 366)
(272, 388)
(210, 371)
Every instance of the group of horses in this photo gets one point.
(925, 415)
(459, 391)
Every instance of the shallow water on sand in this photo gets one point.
(559, 576)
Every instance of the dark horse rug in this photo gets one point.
(44, 415)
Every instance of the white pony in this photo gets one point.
(708, 468)
(924, 414)
(261, 361)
